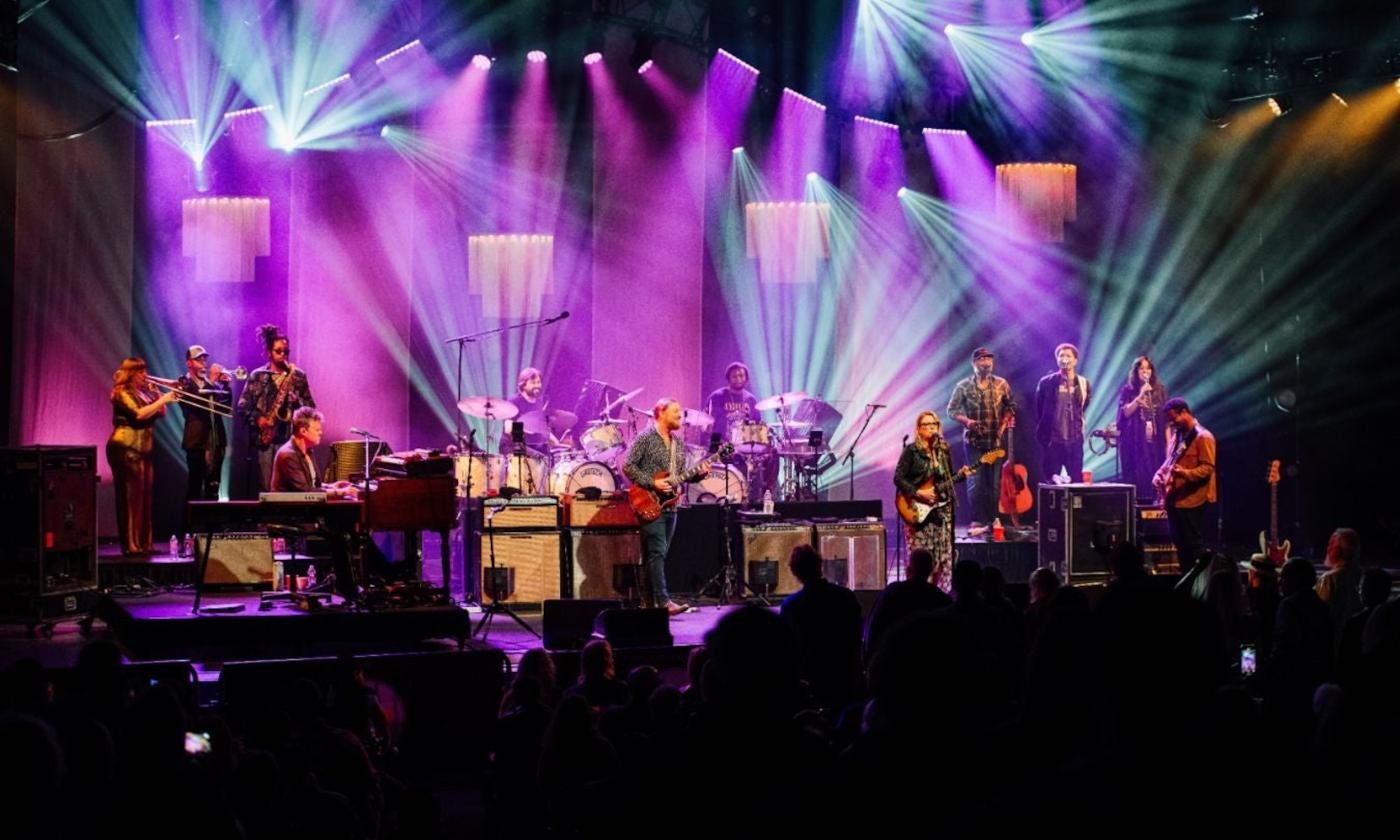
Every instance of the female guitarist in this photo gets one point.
(924, 478)
(273, 392)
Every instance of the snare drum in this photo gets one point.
(477, 468)
(750, 438)
(602, 441)
(569, 477)
(528, 473)
(711, 488)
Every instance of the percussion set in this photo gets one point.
(784, 458)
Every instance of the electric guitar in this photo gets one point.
(1269, 546)
(915, 512)
(648, 504)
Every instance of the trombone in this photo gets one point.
(200, 401)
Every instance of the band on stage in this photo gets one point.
(605, 444)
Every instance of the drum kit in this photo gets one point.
(594, 463)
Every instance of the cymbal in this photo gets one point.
(798, 426)
(620, 400)
(554, 421)
(781, 400)
(489, 408)
(696, 417)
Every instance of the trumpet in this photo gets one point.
(193, 400)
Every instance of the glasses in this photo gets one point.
(279, 351)
(928, 423)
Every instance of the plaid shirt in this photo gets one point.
(649, 456)
(985, 406)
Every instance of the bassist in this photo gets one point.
(660, 450)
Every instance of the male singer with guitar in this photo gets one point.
(658, 450)
(924, 475)
(273, 392)
(1186, 480)
(982, 404)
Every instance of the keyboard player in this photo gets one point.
(294, 470)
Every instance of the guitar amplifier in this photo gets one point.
(520, 512)
(528, 566)
(596, 557)
(610, 511)
(237, 560)
(1080, 523)
(858, 549)
(766, 544)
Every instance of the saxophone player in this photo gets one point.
(274, 391)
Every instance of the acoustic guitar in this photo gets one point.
(1015, 488)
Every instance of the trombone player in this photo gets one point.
(206, 398)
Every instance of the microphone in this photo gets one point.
(876, 405)
(355, 430)
(905, 442)
(561, 316)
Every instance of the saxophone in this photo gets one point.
(267, 423)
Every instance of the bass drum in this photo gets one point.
(484, 471)
(710, 489)
(569, 477)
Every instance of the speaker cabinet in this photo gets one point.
(855, 552)
(237, 560)
(636, 628)
(535, 560)
(599, 564)
(568, 625)
(48, 552)
(1080, 523)
(773, 543)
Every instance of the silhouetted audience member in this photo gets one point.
(1375, 591)
(1263, 600)
(597, 681)
(1301, 659)
(1340, 587)
(577, 770)
(902, 598)
(1043, 584)
(825, 618)
(515, 760)
(1127, 566)
(693, 693)
(537, 664)
(998, 632)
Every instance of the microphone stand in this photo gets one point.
(850, 456)
(462, 340)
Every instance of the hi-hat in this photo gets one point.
(781, 400)
(607, 410)
(488, 408)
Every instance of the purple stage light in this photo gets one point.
(1028, 38)
(646, 65)
(398, 52)
(593, 58)
(744, 64)
(535, 56)
(481, 62)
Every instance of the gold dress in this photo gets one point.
(133, 473)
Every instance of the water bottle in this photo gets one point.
(311, 577)
(767, 502)
(174, 546)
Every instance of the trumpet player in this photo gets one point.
(274, 391)
(205, 441)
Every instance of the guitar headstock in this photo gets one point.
(992, 456)
(1273, 471)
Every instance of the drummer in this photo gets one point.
(529, 396)
(734, 403)
(732, 406)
